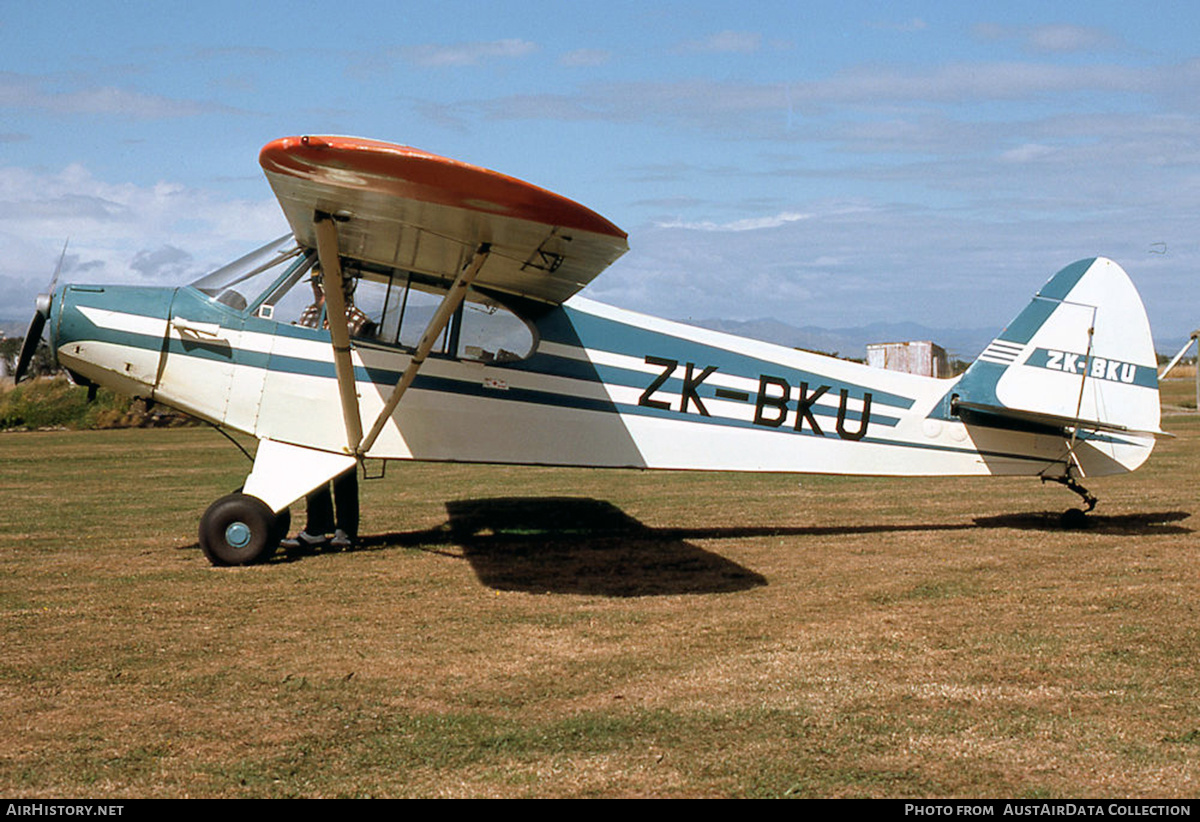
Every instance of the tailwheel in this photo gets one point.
(239, 529)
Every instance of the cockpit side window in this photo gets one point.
(287, 301)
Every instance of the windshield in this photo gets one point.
(243, 281)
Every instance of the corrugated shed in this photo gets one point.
(919, 357)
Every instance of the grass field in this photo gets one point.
(537, 632)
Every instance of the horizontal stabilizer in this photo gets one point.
(1052, 420)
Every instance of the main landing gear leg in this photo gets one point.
(246, 527)
(1073, 517)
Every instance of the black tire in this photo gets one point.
(238, 529)
(283, 521)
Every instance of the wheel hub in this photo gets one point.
(238, 534)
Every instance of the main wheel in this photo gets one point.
(238, 529)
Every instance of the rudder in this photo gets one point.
(1080, 356)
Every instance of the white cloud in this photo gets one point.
(748, 224)
(1027, 153)
(723, 42)
(913, 24)
(1067, 39)
(165, 233)
(434, 55)
(973, 82)
(782, 110)
(32, 93)
(1049, 39)
(848, 264)
(166, 263)
(585, 57)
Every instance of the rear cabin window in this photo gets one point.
(398, 308)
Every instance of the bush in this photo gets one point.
(55, 403)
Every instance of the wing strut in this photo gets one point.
(450, 303)
(339, 331)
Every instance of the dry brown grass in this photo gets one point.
(1178, 393)
(545, 632)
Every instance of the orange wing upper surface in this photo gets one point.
(418, 211)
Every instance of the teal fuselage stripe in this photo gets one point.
(428, 382)
(80, 328)
(577, 328)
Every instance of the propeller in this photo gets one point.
(34, 335)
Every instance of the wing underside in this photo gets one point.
(407, 209)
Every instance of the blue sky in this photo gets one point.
(829, 164)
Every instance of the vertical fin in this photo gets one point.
(1080, 356)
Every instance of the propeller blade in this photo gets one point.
(32, 337)
(58, 268)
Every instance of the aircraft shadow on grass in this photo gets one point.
(1146, 524)
(589, 546)
(570, 545)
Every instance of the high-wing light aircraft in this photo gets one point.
(480, 350)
